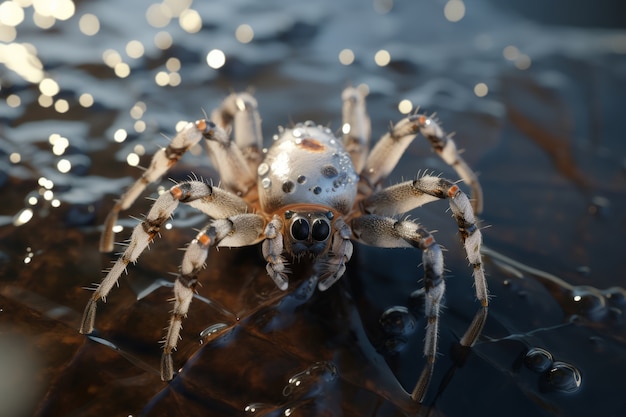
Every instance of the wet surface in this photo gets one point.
(537, 107)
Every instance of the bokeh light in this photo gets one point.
(85, 100)
(244, 33)
(454, 10)
(382, 58)
(89, 24)
(216, 58)
(120, 135)
(346, 56)
(481, 89)
(163, 40)
(190, 21)
(58, 9)
(405, 106)
(11, 14)
(134, 49)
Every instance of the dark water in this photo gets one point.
(546, 140)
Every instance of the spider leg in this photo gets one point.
(386, 232)
(213, 201)
(235, 231)
(356, 126)
(273, 248)
(161, 162)
(240, 111)
(388, 150)
(410, 194)
(332, 268)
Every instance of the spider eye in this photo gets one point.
(320, 230)
(300, 229)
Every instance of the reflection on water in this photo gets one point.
(87, 91)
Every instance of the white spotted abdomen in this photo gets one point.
(307, 165)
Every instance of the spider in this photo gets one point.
(310, 193)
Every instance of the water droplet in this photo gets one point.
(263, 169)
(301, 179)
(317, 190)
(398, 321)
(213, 330)
(589, 303)
(561, 377)
(312, 378)
(296, 133)
(258, 408)
(266, 183)
(538, 359)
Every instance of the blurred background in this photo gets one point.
(534, 94)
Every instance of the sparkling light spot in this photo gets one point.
(15, 158)
(132, 159)
(190, 21)
(454, 10)
(53, 138)
(43, 21)
(244, 33)
(158, 15)
(162, 78)
(89, 24)
(120, 135)
(163, 40)
(216, 59)
(346, 56)
(175, 79)
(134, 49)
(21, 218)
(49, 87)
(176, 7)
(55, 203)
(345, 129)
(48, 195)
(32, 200)
(85, 100)
(481, 89)
(382, 58)
(7, 34)
(11, 14)
(64, 166)
(13, 100)
(59, 9)
(61, 106)
(405, 106)
(111, 58)
(510, 52)
(139, 126)
(137, 111)
(122, 70)
(139, 149)
(45, 183)
(59, 144)
(173, 64)
(45, 101)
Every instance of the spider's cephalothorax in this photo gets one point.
(311, 193)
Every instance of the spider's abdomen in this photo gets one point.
(307, 165)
